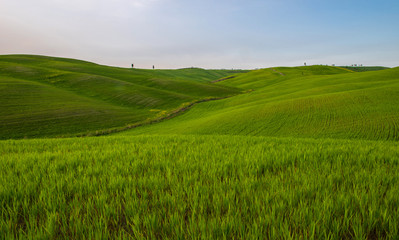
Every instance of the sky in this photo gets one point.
(211, 34)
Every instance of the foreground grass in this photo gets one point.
(199, 187)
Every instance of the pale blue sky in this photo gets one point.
(209, 34)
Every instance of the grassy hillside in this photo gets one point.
(46, 96)
(314, 101)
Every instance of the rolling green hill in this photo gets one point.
(46, 96)
(313, 101)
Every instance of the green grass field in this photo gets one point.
(181, 187)
(285, 153)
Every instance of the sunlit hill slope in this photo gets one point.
(312, 101)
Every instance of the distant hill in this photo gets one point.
(364, 68)
(47, 96)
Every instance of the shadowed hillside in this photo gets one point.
(46, 96)
(364, 68)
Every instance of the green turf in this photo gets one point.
(45, 96)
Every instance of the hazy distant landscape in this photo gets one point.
(91, 151)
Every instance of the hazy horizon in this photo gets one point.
(213, 35)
